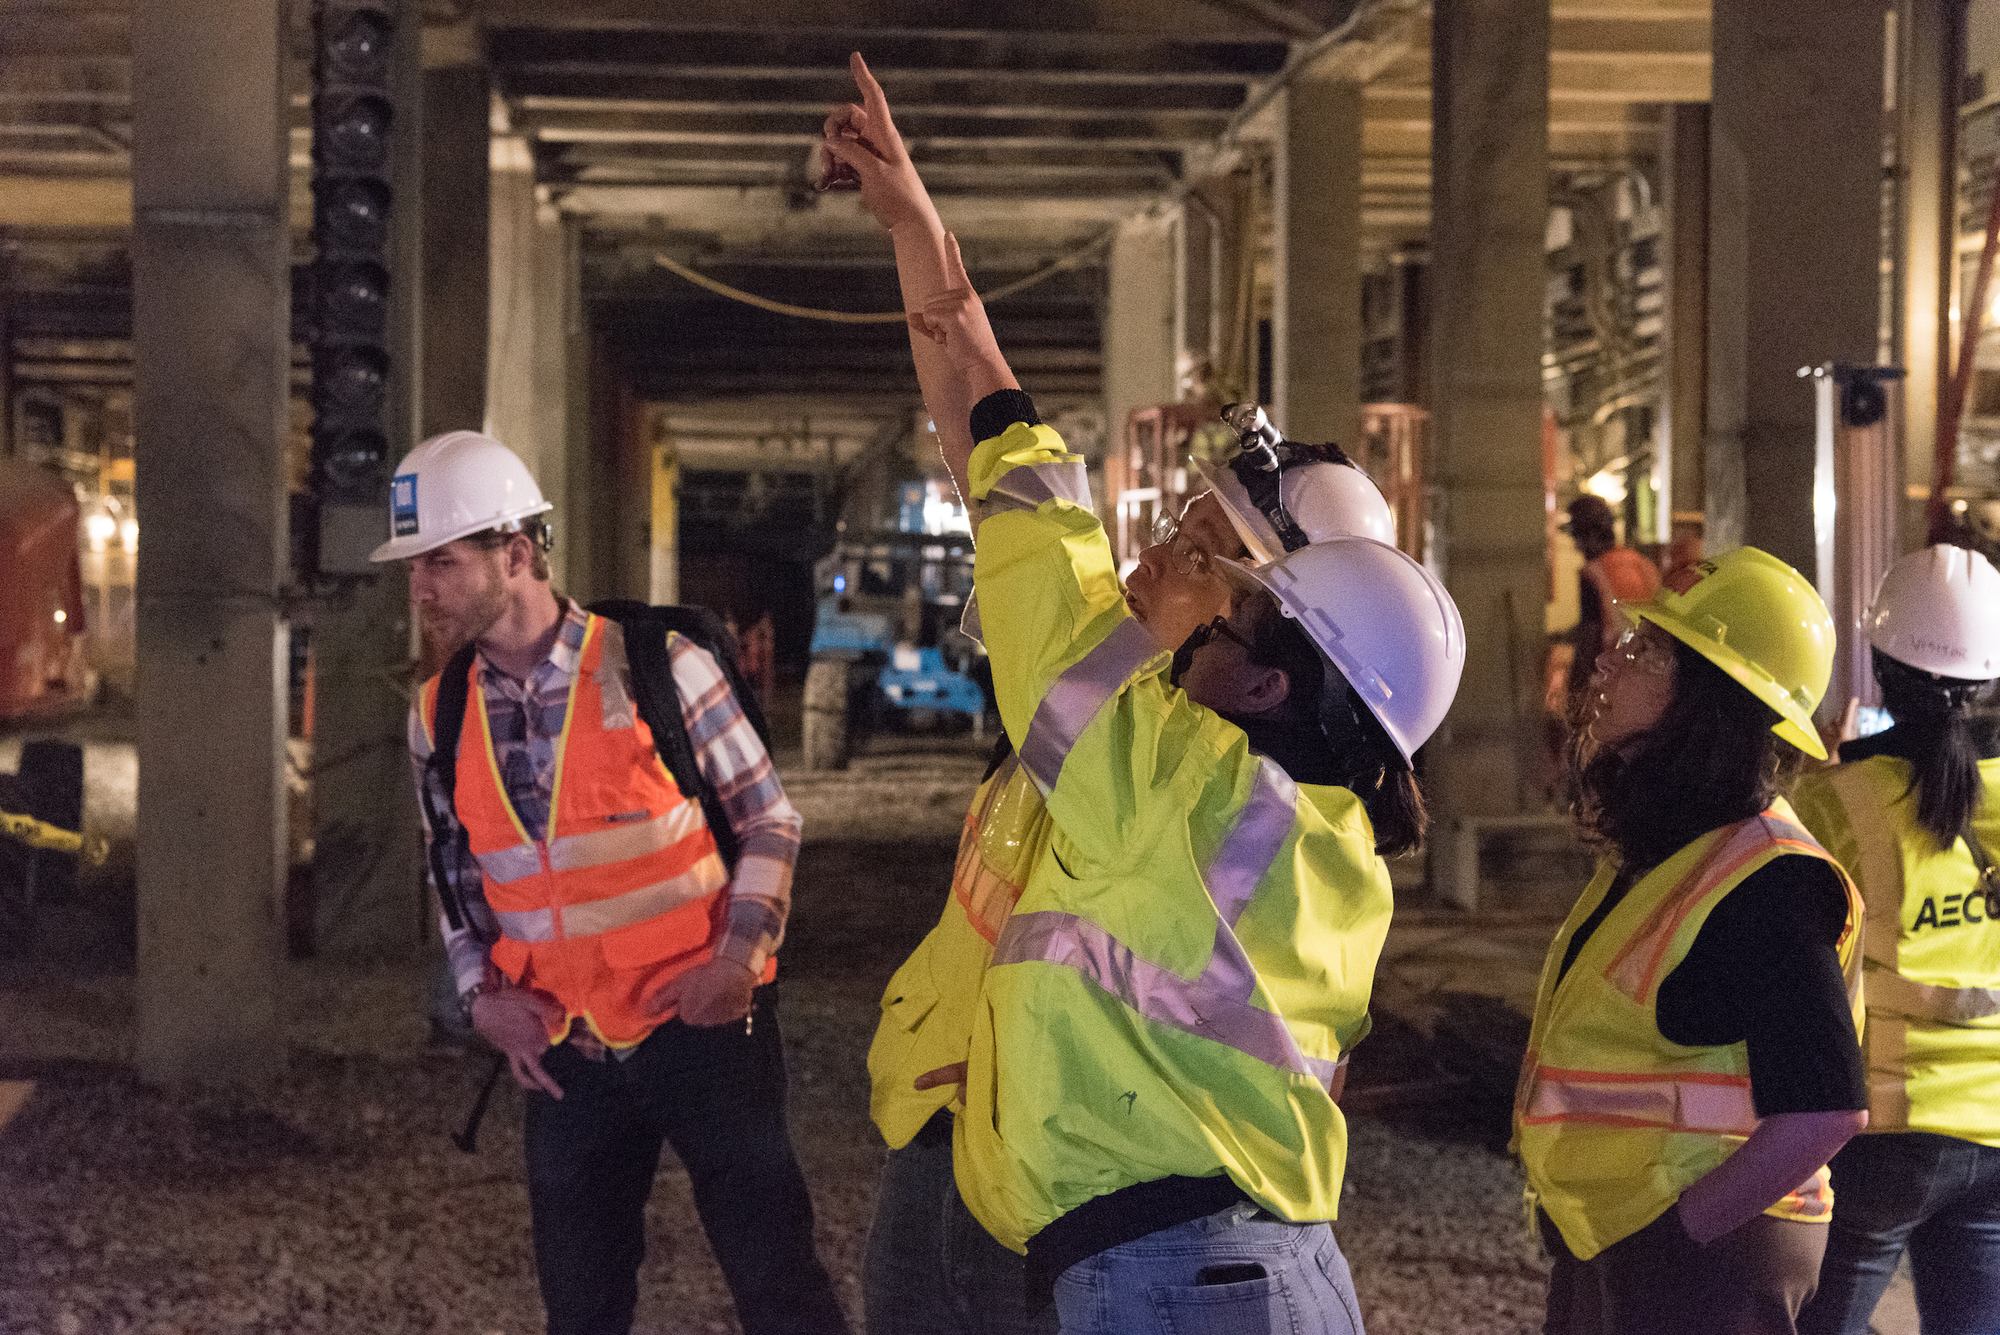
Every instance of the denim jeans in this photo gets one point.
(717, 1095)
(931, 1269)
(1939, 1196)
(1177, 1282)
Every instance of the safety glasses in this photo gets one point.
(1220, 626)
(1185, 553)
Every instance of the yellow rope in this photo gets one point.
(1000, 293)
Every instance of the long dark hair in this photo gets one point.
(1710, 761)
(1936, 712)
(1338, 730)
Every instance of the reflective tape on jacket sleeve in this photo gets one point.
(1031, 486)
(1076, 696)
(1209, 1007)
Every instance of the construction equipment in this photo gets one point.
(41, 599)
(886, 647)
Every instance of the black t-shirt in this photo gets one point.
(1764, 971)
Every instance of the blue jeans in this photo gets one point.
(1179, 1282)
(931, 1269)
(1939, 1196)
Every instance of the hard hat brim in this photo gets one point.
(1229, 494)
(416, 544)
(1794, 724)
(1369, 687)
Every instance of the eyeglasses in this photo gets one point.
(1646, 652)
(1220, 626)
(1186, 554)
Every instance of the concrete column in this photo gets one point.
(1489, 219)
(527, 371)
(211, 265)
(1200, 254)
(369, 902)
(1684, 342)
(1794, 243)
(1926, 63)
(456, 127)
(1139, 346)
(1316, 310)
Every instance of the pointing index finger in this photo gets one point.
(872, 96)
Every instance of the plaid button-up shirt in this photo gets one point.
(526, 719)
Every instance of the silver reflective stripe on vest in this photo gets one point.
(605, 915)
(509, 864)
(1209, 1007)
(1029, 487)
(1890, 992)
(622, 843)
(1720, 1105)
(1254, 841)
(1217, 1004)
(1075, 697)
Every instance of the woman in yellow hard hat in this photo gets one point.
(1693, 1062)
(1912, 813)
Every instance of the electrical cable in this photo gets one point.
(1005, 290)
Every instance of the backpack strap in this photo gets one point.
(653, 688)
(439, 789)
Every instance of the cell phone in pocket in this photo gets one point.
(1237, 1273)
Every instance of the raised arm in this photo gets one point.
(958, 362)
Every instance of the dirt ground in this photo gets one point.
(337, 1203)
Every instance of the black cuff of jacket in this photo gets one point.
(1000, 410)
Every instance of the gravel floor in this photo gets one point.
(336, 1203)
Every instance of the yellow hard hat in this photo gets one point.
(1760, 621)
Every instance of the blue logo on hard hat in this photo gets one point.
(403, 505)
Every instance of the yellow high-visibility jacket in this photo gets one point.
(1612, 1119)
(1192, 952)
(928, 1006)
(1931, 955)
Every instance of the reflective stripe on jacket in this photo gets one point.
(1613, 1121)
(927, 1008)
(1192, 952)
(1932, 957)
(623, 891)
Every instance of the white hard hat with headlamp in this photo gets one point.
(1379, 619)
(1280, 496)
(452, 486)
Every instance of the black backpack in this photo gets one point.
(646, 629)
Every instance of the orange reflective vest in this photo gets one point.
(1613, 1120)
(624, 890)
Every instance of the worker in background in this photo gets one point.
(597, 936)
(1911, 813)
(1169, 1000)
(1693, 1062)
(1611, 574)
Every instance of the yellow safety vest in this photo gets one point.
(1612, 1120)
(1193, 949)
(1931, 955)
(928, 1006)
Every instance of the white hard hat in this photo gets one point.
(1938, 610)
(1380, 619)
(1324, 500)
(452, 485)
